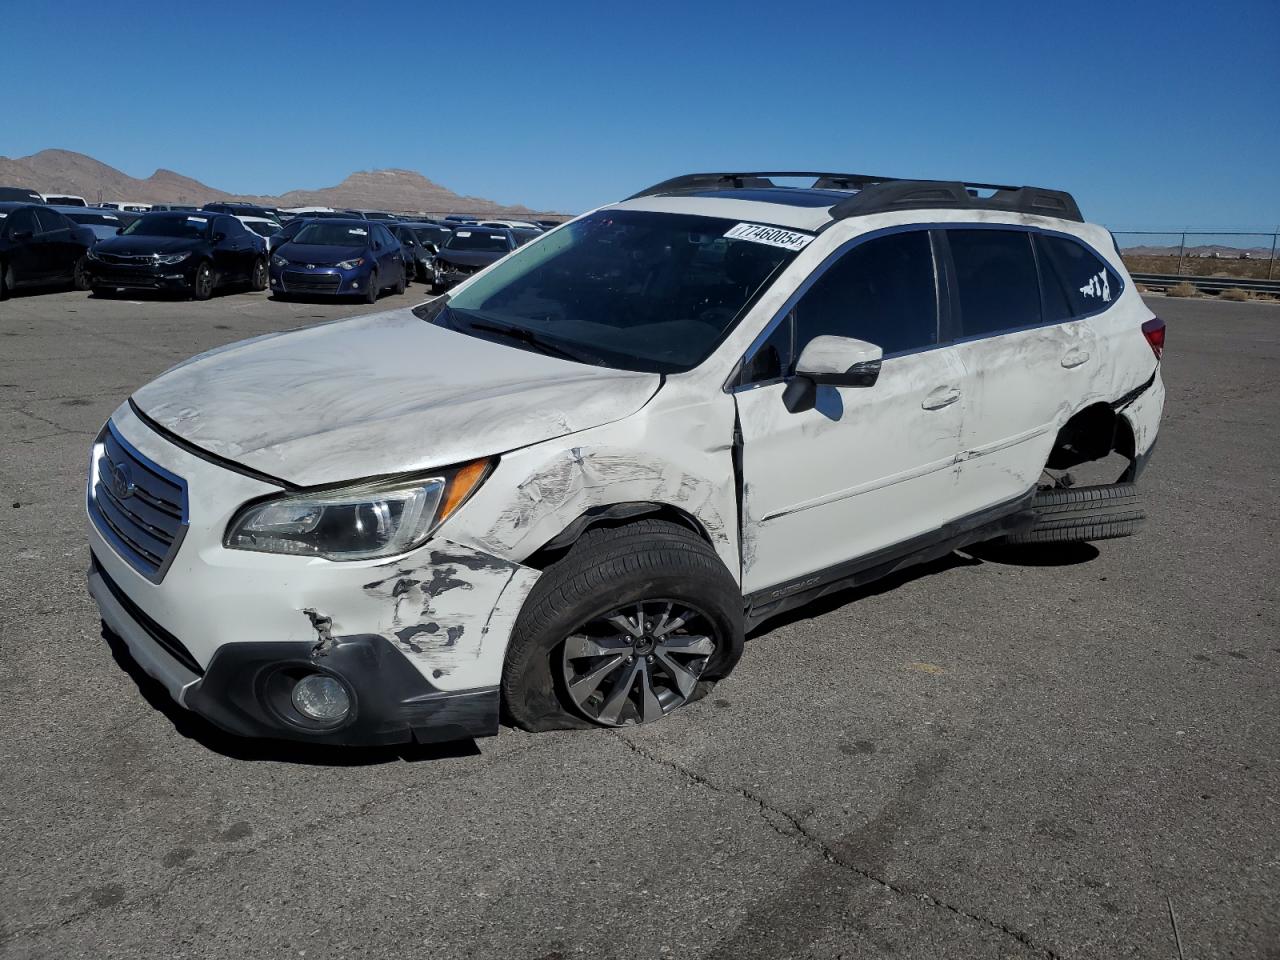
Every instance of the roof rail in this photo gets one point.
(887, 194)
(736, 181)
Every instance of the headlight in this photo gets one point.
(359, 522)
(278, 261)
(351, 264)
(170, 258)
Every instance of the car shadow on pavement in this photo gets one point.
(1039, 555)
(168, 296)
(1034, 555)
(194, 727)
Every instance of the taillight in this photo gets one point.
(1153, 330)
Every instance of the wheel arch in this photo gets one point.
(612, 515)
(1091, 433)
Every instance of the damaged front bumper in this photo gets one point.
(244, 687)
(418, 641)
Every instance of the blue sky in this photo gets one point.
(1155, 114)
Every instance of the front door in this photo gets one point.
(868, 467)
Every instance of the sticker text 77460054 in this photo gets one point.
(773, 236)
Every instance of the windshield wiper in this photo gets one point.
(527, 337)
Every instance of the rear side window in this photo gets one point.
(996, 277)
(1076, 282)
(881, 291)
(50, 221)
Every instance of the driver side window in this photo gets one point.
(22, 221)
(882, 291)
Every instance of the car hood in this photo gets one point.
(471, 258)
(381, 394)
(321, 254)
(137, 246)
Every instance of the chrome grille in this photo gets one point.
(306, 282)
(127, 259)
(137, 505)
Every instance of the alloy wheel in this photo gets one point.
(637, 663)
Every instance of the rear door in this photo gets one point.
(1022, 363)
(61, 250)
(234, 254)
(868, 468)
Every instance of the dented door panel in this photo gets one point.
(868, 467)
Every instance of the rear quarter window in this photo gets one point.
(1076, 281)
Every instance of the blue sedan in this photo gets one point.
(341, 258)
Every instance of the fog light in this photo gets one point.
(322, 698)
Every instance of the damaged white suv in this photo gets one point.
(563, 492)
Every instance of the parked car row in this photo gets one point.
(194, 251)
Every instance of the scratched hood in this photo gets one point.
(380, 394)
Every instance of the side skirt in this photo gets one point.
(987, 524)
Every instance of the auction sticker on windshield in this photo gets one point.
(773, 236)
(358, 232)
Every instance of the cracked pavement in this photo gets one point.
(991, 756)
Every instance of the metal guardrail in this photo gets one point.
(1207, 284)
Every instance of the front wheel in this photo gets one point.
(258, 275)
(80, 279)
(5, 283)
(372, 289)
(400, 284)
(631, 624)
(202, 285)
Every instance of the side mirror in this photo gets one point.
(219, 237)
(431, 248)
(833, 361)
(119, 230)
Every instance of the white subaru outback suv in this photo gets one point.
(562, 493)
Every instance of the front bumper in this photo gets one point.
(161, 277)
(319, 281)
(238, 690)
(419, 640)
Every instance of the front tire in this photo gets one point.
(5, 283)
(258, 275)
(372, 289)
(399, 288)
(631, 624)
(202, 284)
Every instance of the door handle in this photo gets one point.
(941, 397)
(1074, 358)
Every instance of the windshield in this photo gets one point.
(333, 235)
(641, 291)
(436, 235)
(169, 225)
(477, 240)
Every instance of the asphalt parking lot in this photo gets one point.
(1073, 754)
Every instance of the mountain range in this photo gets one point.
(65, 171)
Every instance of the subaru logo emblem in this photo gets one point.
(121, 479)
